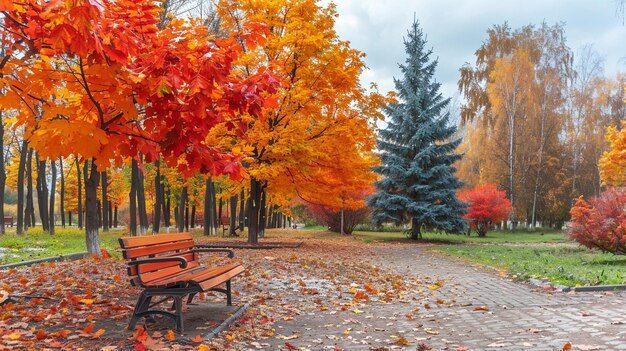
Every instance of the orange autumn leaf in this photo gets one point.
(98, 333)
(197, 338)
(567, 346)
(88, 329)
(361, 296)
(41, 334)
(170, 335)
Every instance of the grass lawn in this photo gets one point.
(36, 243)
(567, 265)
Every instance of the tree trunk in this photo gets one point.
(20, 188)
(253, 212)
(69, 217)
(342, 231)
(187, 216)
(262, 214)
(53, 183)
(242, 211)
(42, 192)
(216, 220)
(91, 219)
(85, 176)
(156, 219)
(3, 174)
(166, 206)
(110, 214)
(133, 198)
(141, 201)
(193, 216)
(115, 217)
(207, 207)
(219, 213)
(511, 189)
(29, 220)
(180, 218)
(233, 215)
(105, 203)
(80, 196)
(416, 230)
(62, 199)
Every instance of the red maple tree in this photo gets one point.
(487, 205)
(601, 222)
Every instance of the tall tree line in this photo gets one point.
(535, 119)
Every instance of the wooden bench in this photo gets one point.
(8, 220)
(167, 266)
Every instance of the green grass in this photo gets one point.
(316, 227)
(567, 265)
(36, 243)
(520, 236)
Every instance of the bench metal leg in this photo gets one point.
(229, 301)
(190, 298)
(178, 302)
(143, 302)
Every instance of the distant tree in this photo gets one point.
(332, 218)
(613, 162)
(487, 205)
(601, 222)
(418, 183)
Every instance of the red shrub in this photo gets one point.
(601, 222)
(487, 205)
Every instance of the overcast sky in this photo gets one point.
(456, 28)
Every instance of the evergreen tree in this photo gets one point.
(418, 181)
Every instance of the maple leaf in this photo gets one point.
(203, 348)
(170, 335)
(98, 333)
(566, 346)
(290, 346)
(88, 329)
(197, 338)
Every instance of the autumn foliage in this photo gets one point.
(601, 222)
(613, 162)
(487, 205)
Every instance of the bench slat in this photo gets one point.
(157, 249)
(150, 277)
(191, 275)
(215, 281)
(150, 267)
(129, 242)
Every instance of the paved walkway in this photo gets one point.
(449, 305)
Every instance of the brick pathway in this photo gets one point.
(475, 309)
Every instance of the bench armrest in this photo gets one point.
(182, 261)
(207, 248)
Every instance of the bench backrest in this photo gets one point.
(162, 245)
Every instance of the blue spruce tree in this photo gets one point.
(418, 182)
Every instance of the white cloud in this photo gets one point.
(455, 29)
